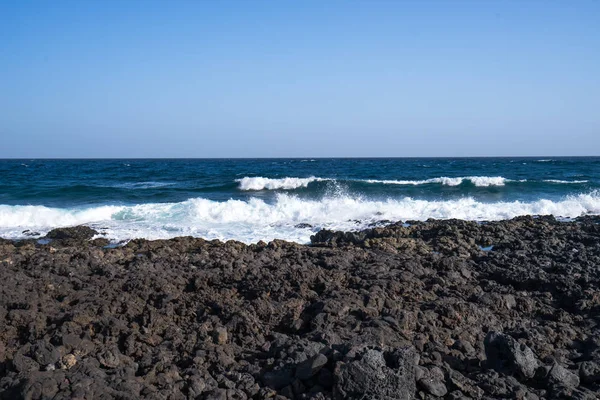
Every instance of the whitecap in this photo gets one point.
(261, 183)
(254, 219)
(480, 181)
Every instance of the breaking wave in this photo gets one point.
(475, 180)
(260, 183)
(287, 217)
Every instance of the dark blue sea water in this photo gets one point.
(254, 199)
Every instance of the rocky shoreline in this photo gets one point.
(426, 310)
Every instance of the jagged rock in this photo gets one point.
(220, 335)
(76, 232)
(433, 386)
(24, 364)
(68, 361)
(42, 385)
(464, 385)
(190, 318)
(110, 358)
(303, 225)
(373, 376)
(505, 354)
(311, 367)
(45, 353)
(589, 372)
(559, 375)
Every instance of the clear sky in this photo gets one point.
(299, 78)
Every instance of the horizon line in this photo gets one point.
(282, 158)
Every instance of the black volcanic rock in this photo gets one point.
(505, 354)
(76, 232)
(391, 312)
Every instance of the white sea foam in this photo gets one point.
(561, 181)
(480, 181)
(260, 183)
(15, 219)
(254, 220)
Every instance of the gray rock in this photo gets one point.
(559, 375)
(311, 367)
(505, 354)
(433, 386)
(196, 386)
(44, 353)
(374, 376)
(217, 394)
(41, 385)
(464, 385)
(589, 372)
(464, 347)
(109, 358)
(420, 372)
(24, 364)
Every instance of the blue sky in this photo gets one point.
(309, 78)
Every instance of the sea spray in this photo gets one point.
(288, 217)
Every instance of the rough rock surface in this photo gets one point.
(75, 232)
(395, 312)
(506, 354)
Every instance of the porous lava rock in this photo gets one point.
(401, 311)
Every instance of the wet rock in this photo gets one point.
(303, 226)
(76, 232)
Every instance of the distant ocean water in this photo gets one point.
(264, 199)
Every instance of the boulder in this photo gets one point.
(311, 367)
(589, 372)
(377, 375)
(560, 376)
(75, 232)
(505, 354)
(433, 386)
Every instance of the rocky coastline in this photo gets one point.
(424, 310)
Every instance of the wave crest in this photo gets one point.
(480, 181)
(261, 183)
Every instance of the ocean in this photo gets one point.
(263, 199)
